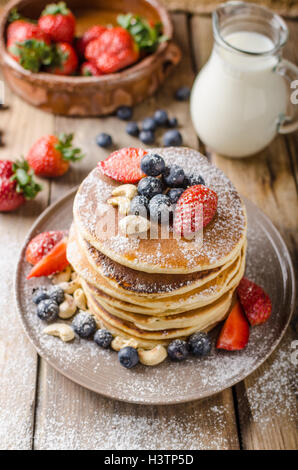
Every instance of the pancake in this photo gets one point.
(222, 238)
(180, 320)
(132, 281)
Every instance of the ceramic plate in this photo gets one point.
(268, 264)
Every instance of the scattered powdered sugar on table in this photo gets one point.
(17, 364)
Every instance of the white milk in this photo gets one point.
(237, 98)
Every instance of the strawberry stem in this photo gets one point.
(67, 150)
(147, 37)
(24, 179)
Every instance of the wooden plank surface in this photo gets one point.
(266, 404)
(18, 359)
(86, 420)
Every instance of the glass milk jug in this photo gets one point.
(243, 97)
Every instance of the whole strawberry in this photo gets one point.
(195, 209)
(58, 22)
(255, 302)
(92, 33)
(50, 155)
(65, 61)
(114, 50)
(16, 185)
(29, 45)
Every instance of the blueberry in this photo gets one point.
(139, 206)
(161, 117)
(124, 113)
(147, 137)
(172, 122)
(172, 138)
(160, 208)
(104, 140)
(84, 324)
(183, 93)
(152, 164)
(128, 357)
(150, 186)
(57, 293)
(199, 344)
(192, 180)
(149, 124)
(132, 129)
(39, 294)
(47, 310)
(178, 350)
(173, 176)
(174, 194)
(103, 338)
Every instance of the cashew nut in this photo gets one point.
(63, 331)
(68, 308)
(127, 190)
(119, 343)
(64, 276)
(153, 356)
(80, 299)
(123, 203)
(70, 287)
(133, 224)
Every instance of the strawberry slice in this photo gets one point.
(255, 302)
(235, 331)
(53, 262)
(42, 244)
(124, 165)
(195, 208)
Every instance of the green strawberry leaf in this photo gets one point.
(67, 150)
(33, 54)
(59, 8)
(23, 176)
(147, 37)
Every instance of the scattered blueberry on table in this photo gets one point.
(147, 137)
(104, 140)
(149, 124)
(172, 138)
(47, 310)
(183, 93)
(132, 129)
(150, 186)
(152, 164)
(161, 117)
(124, 113)
(178, 350)
(128, 357)
(172, 122)
(84, 324)
(103, 338)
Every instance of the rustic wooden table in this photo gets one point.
(41, 409)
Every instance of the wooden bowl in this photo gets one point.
(91, 96)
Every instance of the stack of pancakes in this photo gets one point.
(155, 290)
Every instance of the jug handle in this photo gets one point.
(289, 71)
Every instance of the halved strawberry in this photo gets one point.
(53, 262)
(41, 245)
(235, 331)
(124, 165)
(255, 302)
(195, 208)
